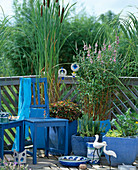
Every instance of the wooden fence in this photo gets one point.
(9, 92)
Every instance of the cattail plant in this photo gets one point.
(44, 2)
(46, 24)
(41, 10)
(59, 11)
(62, 14)
(48, 2)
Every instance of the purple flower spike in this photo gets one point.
(91, 61)
(114, 59)
(99, 52)
(109, 46)
(85, 47)
(96, 44)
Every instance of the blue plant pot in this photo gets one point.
(126, 149)
(106, 124)
(60, 144)
(79, 144)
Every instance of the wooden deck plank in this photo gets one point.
(51, 163)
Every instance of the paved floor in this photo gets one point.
(44, 163)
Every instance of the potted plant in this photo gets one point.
(124, 139)
(67, 110)
(86, 131)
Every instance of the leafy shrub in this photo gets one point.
(65, 109)
(126, 125)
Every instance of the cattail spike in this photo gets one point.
(59, 11)
(62, 15)
(41, 10)
(56, 0)
(44, 2)
(48, 2)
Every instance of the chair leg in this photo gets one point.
(34, 145)
(46, 134)
(21, 138)
(1, 143)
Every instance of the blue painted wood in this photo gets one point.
(8, 125)
(40, 123)
(36, 94)
(46, 123)
(54, 136)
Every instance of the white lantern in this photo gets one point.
(62, 72)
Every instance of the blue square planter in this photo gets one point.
(126, 149)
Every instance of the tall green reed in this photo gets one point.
(5, 33)
(44, 20)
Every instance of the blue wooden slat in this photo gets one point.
(34, 96)
(38, 92)
(46, 98)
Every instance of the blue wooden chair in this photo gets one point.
(40, 121)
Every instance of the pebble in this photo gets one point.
(82, 166)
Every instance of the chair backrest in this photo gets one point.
(39, 103)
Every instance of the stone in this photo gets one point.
(82, 166)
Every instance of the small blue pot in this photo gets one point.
(79, 144)
(126, 149)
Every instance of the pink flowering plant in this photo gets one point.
(99, 70)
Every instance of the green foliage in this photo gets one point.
(126, 125)
(65, 109)
(129, 41)
(5, 33)
(88, 127)
(83, 28)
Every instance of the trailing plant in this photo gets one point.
(65, 109)
(127, 125)
(88, 127)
